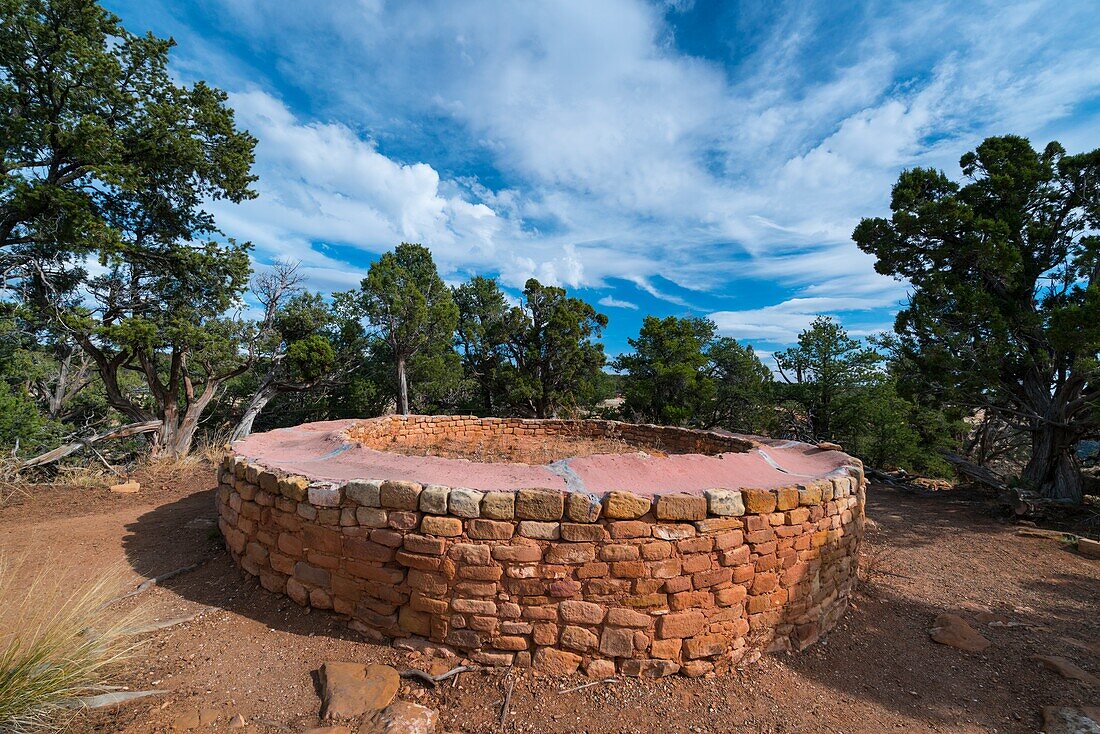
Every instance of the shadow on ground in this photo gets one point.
(933, 555)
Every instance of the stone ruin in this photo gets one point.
(677, 551)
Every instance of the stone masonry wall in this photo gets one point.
(620, 583)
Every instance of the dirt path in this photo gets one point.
(251, 652)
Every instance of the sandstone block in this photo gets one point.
(400, 495)
(681, 507)
(324, 494)
(481, 529)
(352, 689)
(367, 492)
(759, 501)
(539, 504)
(571, 553)
(673, 532)
(724, 502)
(581, 612)
(680, 624)
(371, 517)
(617, 642)
(556, 662)
(465, 502)
(583, 507)
(578, 638)
(499, 505)
(433, 499)
(786, 498)
(625, 506)
(627, 618)
(447, 527)
(539, 530)
(582, 532)
(649, 668)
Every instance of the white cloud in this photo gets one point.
(612, 302)
(623, 158)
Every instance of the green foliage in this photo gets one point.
(481, 337)
(1005, 311)
(409, 306)
(744, 390)
(555, 361)
(665, 380)
(823, 372)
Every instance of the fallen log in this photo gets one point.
(976, 473)
(130, 429)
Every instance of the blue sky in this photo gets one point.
(676, 158)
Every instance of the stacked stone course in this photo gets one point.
(562, 581)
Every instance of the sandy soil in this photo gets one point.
(254, 653)
(508, 447)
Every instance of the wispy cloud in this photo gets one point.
(612, 302)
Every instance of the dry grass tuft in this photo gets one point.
(59, 640)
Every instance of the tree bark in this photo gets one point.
(255, 406)
(1053, 470)
(402, 388)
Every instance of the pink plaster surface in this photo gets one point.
(320, 451)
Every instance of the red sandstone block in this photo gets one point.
(433, 584)
(617, 643)
(565, 588)
(388, 538)
(311, 574)
(374, 572)
(580, 612)
(706, 579)
(420, 544)
(544, 633)
(593, 570)
(290, 544)
(734, 556)
(690, 600)
(539, 504)
(681, 507)
(731, 539)
(701, 544)
(446, 527)
(666, 649)
(481, 529)
(665, 569)
(743, 574)
(646, 601)
(704, 646)
(760, 536)
(556, 662)
(798, 516)
(282, 564)
(541, 613)
(481, 573)
(765, 582)
(619, 553)
(323, 560)
(676, 584)
(470, 554)
(718, 524)
(657, 550)
(402, 520)
(517, 553)
(626, 529)
(787, 498)
(511, 643)
(628, 569)
(579, 638)
(680, 624)
(582, 532)
(607, 587)
(759, 501)
(422, 603)
(476, 588)
(571, 553)
(730, 596)
(627, 618)
(474, 606)
(696, 563)
(329, 516)
(758, 604)
(366, 550)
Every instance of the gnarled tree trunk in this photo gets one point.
(1053, 469)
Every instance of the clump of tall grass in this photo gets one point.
(60, 639)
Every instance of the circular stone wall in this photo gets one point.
(681, 556)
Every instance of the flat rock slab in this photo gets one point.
(353, 689)
(1088, 548)
(402, 717)
(953, 630)
(1067, 669)
(1071, 720)
(126, 488)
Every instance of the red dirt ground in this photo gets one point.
(255, 653)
